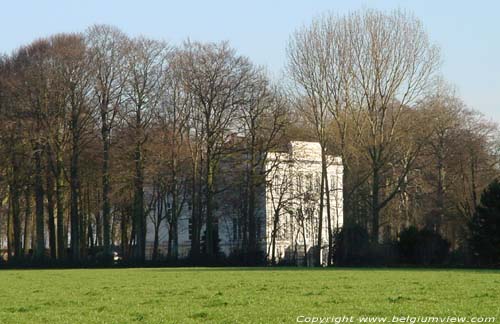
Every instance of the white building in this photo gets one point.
(287, 212)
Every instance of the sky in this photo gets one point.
(468, 32)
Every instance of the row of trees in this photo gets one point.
(413, 153)
(90, 121)
(99, 129)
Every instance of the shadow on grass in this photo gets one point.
(329, 269)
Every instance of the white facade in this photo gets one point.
(293, 198)
(287, 209)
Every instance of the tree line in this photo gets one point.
(99, 130)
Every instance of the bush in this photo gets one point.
(416, 247)
(422, 247)
(353, 248)
(242, 258)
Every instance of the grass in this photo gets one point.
(240, 295)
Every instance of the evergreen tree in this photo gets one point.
(485, 226)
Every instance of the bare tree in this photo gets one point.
(375, 65)
(66, 124)
(280, 193)
(263, 122)
(319, 66)
(393, 64)
(173, 120)
(38, 95)
(107, 50)
(217, 78)
(147, 64)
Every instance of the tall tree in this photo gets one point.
(14, 148)
(38, 78)
(393, 64)
(72, 60)
(107, 50)
(218, 80)
(147, 64)
(263, 121)
(173, 119)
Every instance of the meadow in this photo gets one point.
(243, 295)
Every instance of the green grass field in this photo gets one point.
(242, 295)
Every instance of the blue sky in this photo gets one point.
(468, 32)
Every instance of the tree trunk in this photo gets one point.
(16, 211)
(252, 223)
(195, 212)
(39, 204)
(306, 260)
(209, 235)
(172, 239)
(318, 250)
(154, 257)
(159, 216)
(175, 210)
(106, 205)
(74, 183)
(375, 204)
(274, 234)
(329, 218)
(139, 205)
(10, 231)
(197, 209)
(50, 214)
(124, 231)
(61, 241)
(27, 217)
(84, 218)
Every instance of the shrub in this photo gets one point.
(422, 247)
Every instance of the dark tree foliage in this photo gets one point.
(423, 247)
(485, 227)
(352, 246)
(418, 247)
